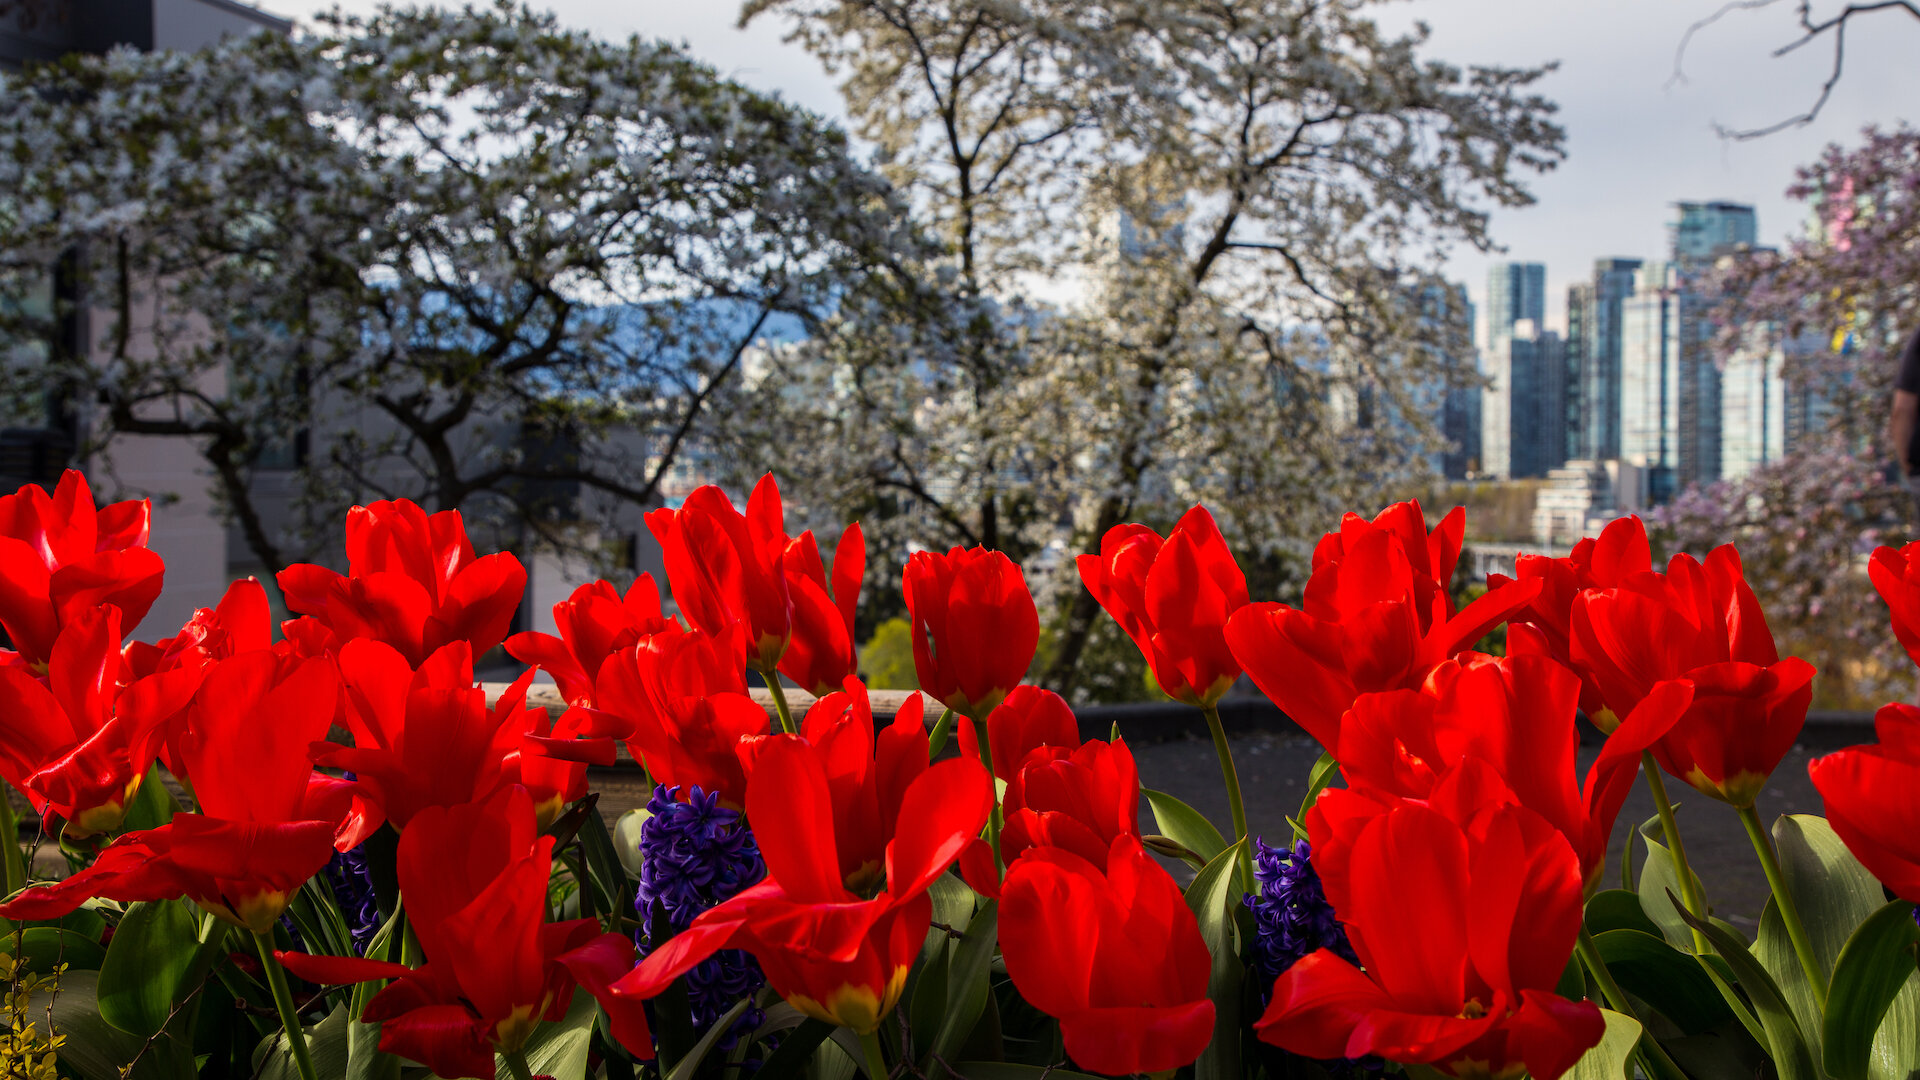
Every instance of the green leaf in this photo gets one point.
(1324, 773)
(326, 1045)
(45, 947)
(967, 988)
(1618, 909)
(1664, 977)
(95, 1049)
(147, 964)
(1659, 887)
(682, 1069)
(937, 738)
(626, 838)
(1214, 892)
(795, 1051)
(1185, 825)
(929, 1002)
(1875, 968)
(1001, 1070)
(153, 805)
(1612, 1057)
(1835, 895)
(604, 865)
(1791, 1057)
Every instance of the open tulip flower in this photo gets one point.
(427, 737)
(1515, 716)
(679, 699)
(1377, 615)
(79, 743)
(412, 582)
(1872, 795)
(1544, 626)
(1173, 598)
(974, 627)
(853, 830)
(1699, 622)
(1463, 911)
(1111, 950)
(60, 556)
(1080, 799)
(1895, 573)
(729, 568)
(822, 652)
(264, 826)
(474, 878)
(595, 623)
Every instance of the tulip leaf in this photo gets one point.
(146, 965)
(942, 731)
(1612, 1057)
(153, 805)
(1791, 1057)
(1618, 909)
(43, 948)
(929, 1001)
(604, 865)
(1664, 977)
(1323, 774)
(1835, 895)
(795, 1051)
(1876, 968)
(968, 973)
(626, 838)
(682, 1069)
(1184, 825)
(326, 1045)
(1659, 884)
(1214, 894)
(1002, 1070)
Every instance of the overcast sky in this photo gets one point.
(1637, 140)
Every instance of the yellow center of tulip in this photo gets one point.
(512, 1033)
(105, 817)
(856, 1007)
(1740, 789)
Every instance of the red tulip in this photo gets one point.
(728, 568)
(1515, 715)
(263, 827)
(594, 623)
(1111, 950)
(79, 743)
(1376, 616)
(1027, 720)
(1698, 622)
(413, 582)
(1173, 598)
(1896, 574)
(475, 881)
(1081, 800)
(424, 738)
(974, 627)
(1872, 795)
(837, 820)
(1463, 913)
(679, 698)
(241, 622)
(822, 652)
(60, 557)
(1543, 627)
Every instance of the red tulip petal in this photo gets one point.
(1121, 1041)
(791, 808)
(942, 811)
(1316, 1006)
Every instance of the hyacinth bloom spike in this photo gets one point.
(61, 557)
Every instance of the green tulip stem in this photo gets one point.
(13, 867)
(1653, 1056)
(942, 731)
(517, 1064)
(993, 817)
(1783, 899)
(780, 702)
(1232, 776)
(283, 1000)
(876, 1064)
(1689, 888)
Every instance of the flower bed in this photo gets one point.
(968, 890)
